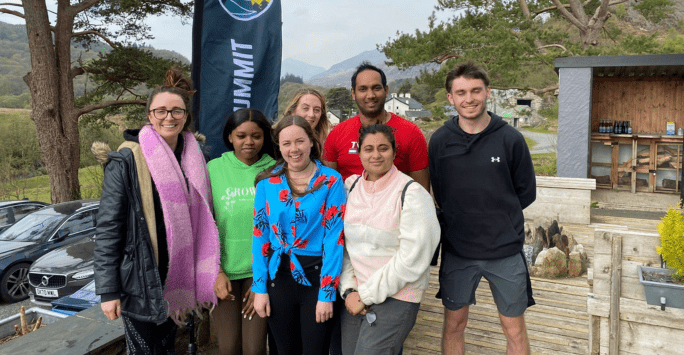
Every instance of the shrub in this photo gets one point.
(621, 11)
(671, 231)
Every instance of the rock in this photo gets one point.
(576, 266)
(537, 247)
(571, 240)
(540, 234)
(553, 229)
(540, 257)
(529, 236)
(527, 251)
(552, 264)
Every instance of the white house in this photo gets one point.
(403, 105)
(334, 116)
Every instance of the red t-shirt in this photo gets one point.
(342, 146)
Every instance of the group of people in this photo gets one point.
(318, 240)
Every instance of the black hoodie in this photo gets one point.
(482, 182)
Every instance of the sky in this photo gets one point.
(320, 33)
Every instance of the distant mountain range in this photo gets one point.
(340, 73)
(299, 68)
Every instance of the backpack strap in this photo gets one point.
(354, 184)
(403, 192)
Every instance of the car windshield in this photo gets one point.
(32, 227)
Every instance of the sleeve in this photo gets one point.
(110, 230)
(433, 154)
(330, 149)
(347, 277)
(418, 237)
(333, 239)
(419, 150)
(261, 236)
(522, 173)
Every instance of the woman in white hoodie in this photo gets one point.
(391, 232)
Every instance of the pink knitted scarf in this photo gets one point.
(191, 232)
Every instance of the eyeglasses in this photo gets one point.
(161, 113)
(371, 317)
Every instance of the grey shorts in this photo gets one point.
(386, 336)
(508, 279)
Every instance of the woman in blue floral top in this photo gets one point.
(298, 240)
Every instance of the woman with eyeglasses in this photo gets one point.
(391, 232)
(157, 247)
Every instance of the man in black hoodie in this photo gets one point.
(482, 177)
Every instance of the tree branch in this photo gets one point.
(93, 32)
(569, 16)
(442, 58)
(554, 45)
(10, 12)
(84, 5)
(106, 104)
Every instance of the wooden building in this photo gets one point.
(599, 97)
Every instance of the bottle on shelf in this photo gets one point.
(629, 127)
(615, 127)
(601, 125)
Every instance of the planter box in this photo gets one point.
(660, 293)
(32, 314)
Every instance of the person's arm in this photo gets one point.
(111, 230)
(522, 173)
(333, 239)
(331, 165)
(418, 159)
(261, 236)
(418, 237)
(434, 177)
(422, 177)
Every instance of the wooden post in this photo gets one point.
(615, 274)
(595, 335)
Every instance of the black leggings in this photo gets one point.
(293, 310)
(146, 338)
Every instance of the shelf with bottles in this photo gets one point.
(614, 127)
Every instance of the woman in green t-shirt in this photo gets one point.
(247, 135)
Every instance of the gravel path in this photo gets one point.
(546, 142)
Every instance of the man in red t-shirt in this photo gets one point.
(369, 90)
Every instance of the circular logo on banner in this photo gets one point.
(245, 10)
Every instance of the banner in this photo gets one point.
(239, 64)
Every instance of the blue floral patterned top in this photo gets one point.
(309, 225)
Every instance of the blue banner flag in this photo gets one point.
(237, 64)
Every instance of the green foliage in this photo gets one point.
(38, 188)
(654, 10)
(20, 154)
(673, 43)
(516, 50)
(671, 231)
(621, 11)
(339, 99)
(291, 78)
(544, 164)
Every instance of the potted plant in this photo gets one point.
(664, 286)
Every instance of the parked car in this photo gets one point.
(61, 272)
(13, 211)
(37, 234)
(78, 301)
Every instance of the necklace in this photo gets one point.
(300, 183)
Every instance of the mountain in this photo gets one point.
(299, 68)
(340, 74)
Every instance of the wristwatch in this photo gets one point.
(347, 292)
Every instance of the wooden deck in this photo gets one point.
(557, 324)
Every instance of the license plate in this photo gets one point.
(46, 293)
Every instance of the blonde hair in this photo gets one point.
(321, 129)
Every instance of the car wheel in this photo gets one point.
(14, 285)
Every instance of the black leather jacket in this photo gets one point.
(123, 256)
